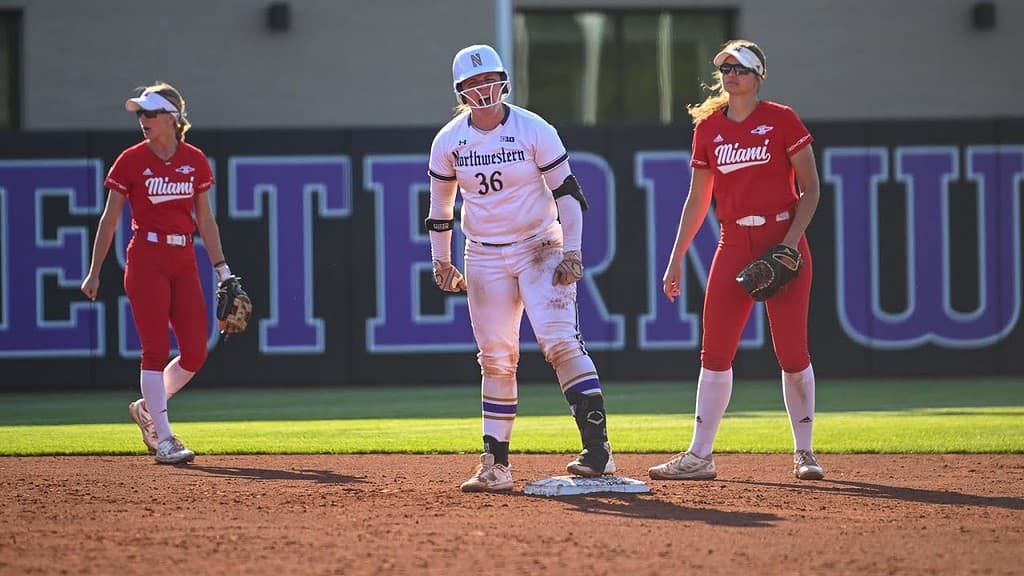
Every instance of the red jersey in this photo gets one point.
(750, 159)
(161, 194)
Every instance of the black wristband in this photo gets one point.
(433, 225)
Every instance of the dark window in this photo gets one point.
(10, 69)
(589, 67)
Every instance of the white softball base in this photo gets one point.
(574, 485)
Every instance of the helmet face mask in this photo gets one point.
(484, 95)
(472, 61)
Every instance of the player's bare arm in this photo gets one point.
(101, 245)
(806, 173)
(695, 209)
(208, 229)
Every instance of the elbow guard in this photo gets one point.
(570, 187)
(433, 225)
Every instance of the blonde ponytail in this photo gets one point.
(717, 99)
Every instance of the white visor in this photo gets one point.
(150, 101)
(746, 57)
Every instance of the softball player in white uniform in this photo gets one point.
(522, 215)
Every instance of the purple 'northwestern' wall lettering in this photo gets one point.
(929, 317)
(29, 255)
(295, 186)
(403, 261)
(665, 177)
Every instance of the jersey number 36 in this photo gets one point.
(488, 184)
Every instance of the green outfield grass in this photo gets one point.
(866, 416)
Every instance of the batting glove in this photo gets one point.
(569, 270)
(448, 278)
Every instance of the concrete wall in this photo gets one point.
(347, 63)
(859, 59)
(342, 63)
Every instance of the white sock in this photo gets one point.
(175, 377)
(798, 392)
(156, 400)
(713, 392)
(499, 404)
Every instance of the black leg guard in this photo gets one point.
(590, 419)
(499, 449)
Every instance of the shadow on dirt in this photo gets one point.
(881, 491)
(651, 508)
(317, 476)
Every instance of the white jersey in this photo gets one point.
(504, 196)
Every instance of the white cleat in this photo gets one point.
(685, 466)
(806, 467)
(141, 416)
(489, 477)
(172, 451)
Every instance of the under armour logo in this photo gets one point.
(476, 60)
(699, 421)
(462, 142)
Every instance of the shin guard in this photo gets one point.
(591, 421)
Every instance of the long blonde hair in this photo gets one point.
(718, 98)
(172, 95)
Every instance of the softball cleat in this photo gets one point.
(172, 451)
(806, 467)
(141, 416)
(591, 462)
(685, 466)
(489, 477)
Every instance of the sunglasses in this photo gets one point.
(150, 113)
(739, 68)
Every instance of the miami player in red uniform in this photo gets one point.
(746, 152)
(165, 181)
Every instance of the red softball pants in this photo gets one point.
(162, 283)
(727, 306)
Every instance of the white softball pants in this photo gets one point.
(503, 281)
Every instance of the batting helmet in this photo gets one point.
(476, 59)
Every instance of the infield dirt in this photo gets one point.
(404, 514)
